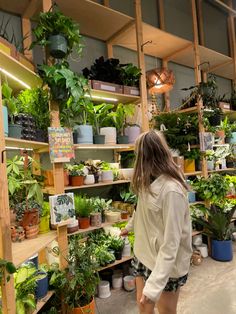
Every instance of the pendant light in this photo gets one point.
(160, 80)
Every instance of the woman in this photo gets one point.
(161, 225)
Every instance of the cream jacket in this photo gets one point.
(163, 234)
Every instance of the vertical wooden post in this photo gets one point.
(47, 4)
(200, 22)
(110, 50)
(27, 35)
(198, 78)
(232, 38)
(8, 292)
(141, 62)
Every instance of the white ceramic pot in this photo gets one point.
(132, 132)
(107, 176)
(110, 135)
(210, 164)
(127, 248)
(89, 179)
(203, 249)
(129, 283)
(104, 289)
(127, 173)
(117, 281)
(197, 240)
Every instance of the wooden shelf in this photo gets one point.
(19, 143)
(43, 301)
(96, 185)
(222, 170)
(195, 173)
(117, 262)
(188, 110)
(19, 71)
(101, 95)
(105, 224)
(105, 146)
(21, 251)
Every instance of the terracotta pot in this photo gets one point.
(84, 222)
(30, 218)
(89, 309)
(221, 135)
(31, 232)
(66, 178)
(124, 215)
(77, 180)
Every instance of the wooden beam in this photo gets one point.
(121, 31)
(232, 44)
(8, 292)
(225, 7)
(110, 51)
(166, 95)
(27, 37)
(161, 14)
(32, 9)
(47, 4)
(172, 55)
(219, 66)
(106, 3)
(200, 23)
(141, 62)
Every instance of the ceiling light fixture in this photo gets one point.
(14, 78)
(102, 98)
(160, 80)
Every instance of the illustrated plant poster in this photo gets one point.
(206, 141)
(62, 207)
(60, 144)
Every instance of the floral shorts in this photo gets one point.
(138, 269)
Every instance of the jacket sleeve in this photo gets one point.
(130, 225)
(174, 210)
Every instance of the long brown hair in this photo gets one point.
(153, 158)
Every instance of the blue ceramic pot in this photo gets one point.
(42, 285)
(232, 139)
(84, 134)
(5, 120)
(191, 197)
(222, 250)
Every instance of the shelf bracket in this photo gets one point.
(2, 156)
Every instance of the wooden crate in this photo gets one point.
(109, 87)
(131, 90)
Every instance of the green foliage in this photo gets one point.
(45, 209)
(100, 204)
(181, 129)
(83, 206)
(122, 225)
(104, 166)
(9, 101)
(192, 154)
(216, 221)
(98, 114)
(214, 188)
(54, 23)
(130, 75)
(128, 197)
(7, 268)
(103, 256)
(35, 102)
(116, 243)
(77, 282)
(76, 170)
(120, 115)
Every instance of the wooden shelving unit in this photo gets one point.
(222, 170)
(117, 262)
(43, 301)
(195, 173)
(101, 95)
(24, 250)
(96, 185)
(21, 144)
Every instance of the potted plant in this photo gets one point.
(216, 225)
(103, 256)
(10, 102)
(44, 224)
(130, 76)
(210, 157)
(77, 174)
(232, 139)
(107, 173)
(93, 169)
(190, 156)
(119, 119)
(117, 244)
(97, 115)
(57, 32)
(83, 208)
(77, 283)
(101, 205)
(132, 131)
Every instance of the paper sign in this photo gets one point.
(62, 208)
(60, 144)
(206, 141)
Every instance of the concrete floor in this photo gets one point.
(211, 289)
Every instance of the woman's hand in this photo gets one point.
(124, 233)
(146, 303)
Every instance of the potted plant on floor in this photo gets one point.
(97, 115)
(77, 283)
(10, 102)
(83, 208)
(119, 119)
(77, 174)
(57, 32)
(217, 225)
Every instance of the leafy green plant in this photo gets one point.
(98, 114)
(120, 115)
(83, 206)
(128, 197)
(104, 166)
(103, 256)
(76, 170)
(45, 209)
(216, 221)
(55, 22)
(77, 282)
(100, 204)
(9, 101)
(214, 188)
(116, 243)
(6, 267)
(130, 75)
(192, 154)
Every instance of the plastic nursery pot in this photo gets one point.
(189, 165)
(122, 139)
(42, 285)
(30, 218)
(84, 222)
(89, 309)
(14, 130)
(5, 120)
(57, 46)
(118, 255)
(222, 250)
(44, 224)
(77, 180)
(96, 178)
(99, 139)
(215, 119)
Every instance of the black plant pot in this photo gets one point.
(57, 46)
(229, 164)
(75, 135)
(96, 178)
(99, 139)
(41, 136)
(122, 139)
(215, 119)
(118, 255)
